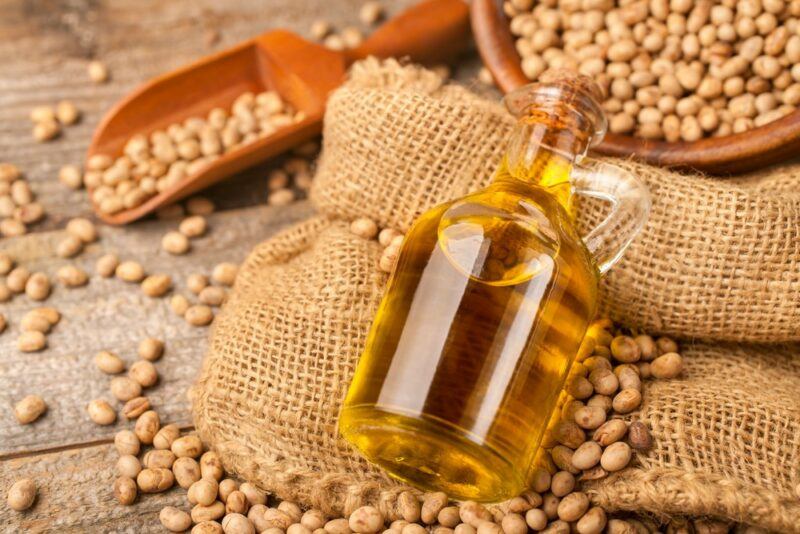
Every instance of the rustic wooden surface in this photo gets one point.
(44, 50)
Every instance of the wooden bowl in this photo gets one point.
(753, 149)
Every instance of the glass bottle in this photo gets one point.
(489, 302)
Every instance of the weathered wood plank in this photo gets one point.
(114, 315)
(76, 495)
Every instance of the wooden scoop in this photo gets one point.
(303, 73)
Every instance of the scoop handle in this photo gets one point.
(431, 32)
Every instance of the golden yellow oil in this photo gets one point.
(489, 302)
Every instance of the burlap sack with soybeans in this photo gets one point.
(717, 266)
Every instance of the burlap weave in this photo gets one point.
(718, 261)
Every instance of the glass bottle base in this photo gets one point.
(430, 454)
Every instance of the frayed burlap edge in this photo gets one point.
(663, 492)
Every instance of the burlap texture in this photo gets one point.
(717, 261)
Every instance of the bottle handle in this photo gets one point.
(630, 207)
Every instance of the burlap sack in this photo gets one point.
(718, 261)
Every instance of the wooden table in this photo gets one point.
(44, 49)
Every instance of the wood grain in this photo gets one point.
(109, 314)
(75, 495)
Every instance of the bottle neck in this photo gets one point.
(543, 153)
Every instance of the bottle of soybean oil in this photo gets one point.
(488, 305)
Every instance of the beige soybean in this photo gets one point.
(67, 113)
(130, 271)
(21, 494)
(71, 276)
(101, 412)
(128, 466)
(109, 363)
(668, 365)
(17, 278)
(37, 287)
(236, 523)
(31, 341)
(135, 407)
(366, 519)
(69, 247)
(187, 446)
(165, 436)
(364, 228)
(587, 455)
(144, 373)
(196, 283)
(590, 417)
(46, 130)
(124, 388)
(253, 494)
(200, 206)
(550, 505)
(150, 349)
(194, 226)
(147, 426)
(83, 229)
(214, 511)
(34, 322)
(6, 263)
(98, 72)
(52, 315)
(312, 519)
(569, 434)
(473, 513)
(203, 492)
(127, 443)
(370, 12)
(106, 265)
(179, 305)
(337, 526)
(175, 243)
(573, 506)
(616, 456)
(225, 273)
(156, 285)
(174, 519)
(610, 432)
(592, 522)
(235, 502)
(625, 349)
(211, 466)
(212, 296)
(432, 504)
(207, 527)
(29, 409)
(536, 519)
(563, 482)
(409, 507)
(604, 381)
(186, 472)
(125, 490)
(155, 480)
(199, 315)
(626, 401)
